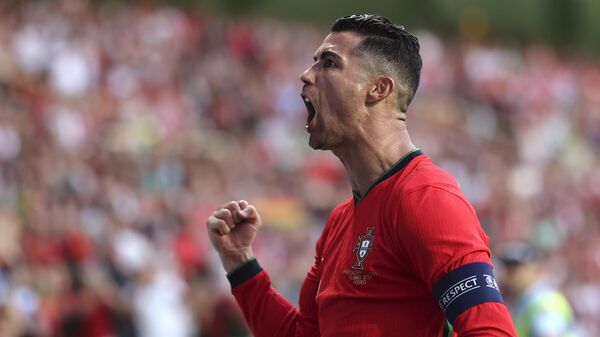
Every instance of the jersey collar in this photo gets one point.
(399, 165)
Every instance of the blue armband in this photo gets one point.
(466, 287)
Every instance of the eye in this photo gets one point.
(328, 63)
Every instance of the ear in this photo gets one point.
(382, 88)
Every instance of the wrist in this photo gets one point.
(233, 261)
(245, 272)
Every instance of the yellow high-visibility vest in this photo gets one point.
(540, 303)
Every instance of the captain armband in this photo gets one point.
(466, 287)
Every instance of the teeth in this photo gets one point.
(306, 100)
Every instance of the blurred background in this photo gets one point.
(123, 124)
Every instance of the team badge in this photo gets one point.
(363, 247)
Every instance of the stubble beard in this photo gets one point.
(316, 143)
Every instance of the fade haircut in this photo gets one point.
(391, 45)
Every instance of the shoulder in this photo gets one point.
(340, 209)
(336, 214)
(334, 217)
(431, 198)
(425, 177)
(428, 174)
(551, 313)
(550, 299)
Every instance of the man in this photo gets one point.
(406, 255)
(538, 308)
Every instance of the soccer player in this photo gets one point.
(406, 255)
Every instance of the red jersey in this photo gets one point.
(388, 264)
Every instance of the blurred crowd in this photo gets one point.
(123, 127)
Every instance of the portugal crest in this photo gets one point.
(363, 247)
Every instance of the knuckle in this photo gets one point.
(223, 212)
(233, 207)
(215, 222)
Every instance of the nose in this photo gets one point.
(307, 76)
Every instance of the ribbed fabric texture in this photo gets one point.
(376, 263)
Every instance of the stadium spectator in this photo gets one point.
(537, 307)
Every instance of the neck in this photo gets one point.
(371, 154)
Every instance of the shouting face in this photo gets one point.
(334, 92)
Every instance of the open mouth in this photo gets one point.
(310, 108)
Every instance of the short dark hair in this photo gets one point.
(389, 42)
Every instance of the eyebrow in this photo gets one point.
(327, 53)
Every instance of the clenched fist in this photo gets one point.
(232, 229)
